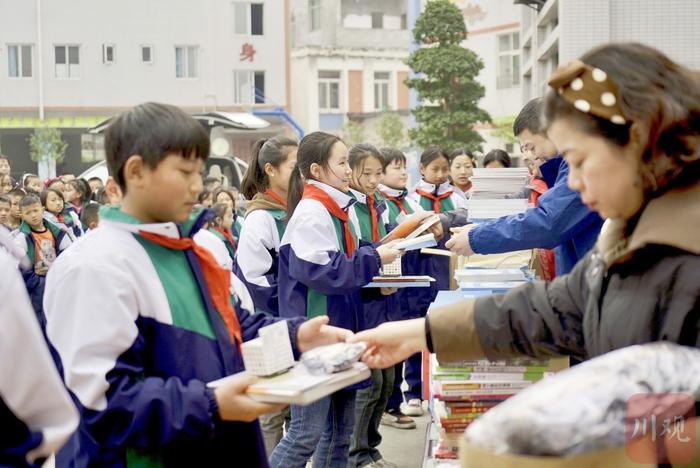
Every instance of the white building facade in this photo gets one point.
(70, 63)
(558, 31)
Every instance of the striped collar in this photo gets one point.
(115, 217)
(344, 200)
(442, 188)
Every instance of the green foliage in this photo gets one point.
(390, 130)
(446, 81)
(47, 142)
(504, 129)
(353, 132)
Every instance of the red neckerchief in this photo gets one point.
(315, 193)
(436, 199)
(276, 197)
(226, 235)
(218, 279)
(373, 217)
(397, 201)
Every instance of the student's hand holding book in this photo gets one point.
(235, 405)
(392, 342)
(388, 252)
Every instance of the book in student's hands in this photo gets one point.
(400, 282)
(299, 387)
(411, 228)
(415, 243)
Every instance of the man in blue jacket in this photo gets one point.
(561, 221)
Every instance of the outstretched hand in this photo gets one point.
(392, 342)
(317, 332)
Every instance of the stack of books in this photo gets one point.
(485, 209)
(499, 183)
(463, 392)
(485, 281)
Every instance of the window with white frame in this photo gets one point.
(247, 18)
(19, 61)
(248, 87)
(147, 54)
(108, 51)
(328, 91)
(67, 61)
(315, 14)
(508, 60)
(382, 81)
(186, 61)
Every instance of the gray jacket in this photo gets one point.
(630, 289)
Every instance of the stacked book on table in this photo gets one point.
(463, 392)
(499, 183)
(485, 281)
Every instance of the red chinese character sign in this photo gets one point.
(247, 52)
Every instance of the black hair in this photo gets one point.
(28, 176)
(389, 155)
(81, 186)
(454, 154)
(314, 148)
(529, 118)
(90, 213)
(203, 195)
(5, 199)
(658, 95)
(17, 192)
(152, 131)
(12, 181)
(45, 194)
(497, 155)
(220, 190)
(28, 200)
(101, 196)
(432, 153)
(218, 210)
(95, 178)
(273, 151)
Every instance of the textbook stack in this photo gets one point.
(462, 392)
(499, 183)
(485, 281)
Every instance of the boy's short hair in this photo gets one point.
(29, 200)
(90, 213)
(5, 199)
(529, 118)
(389, 155)
(17, 192)
(152, 130)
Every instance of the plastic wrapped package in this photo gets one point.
(584, 409)
(332, 358)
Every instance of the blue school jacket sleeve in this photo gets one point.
(316, 261)
(559, 217)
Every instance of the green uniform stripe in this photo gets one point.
(445, 204)
(184, 298)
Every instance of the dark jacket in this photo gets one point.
(560, 222)
(631, 289)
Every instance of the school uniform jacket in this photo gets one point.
(71, 219)
(258, 252)
(139, 338)
(36, 283)
(36, 412)
(377, 307)
(316, 277)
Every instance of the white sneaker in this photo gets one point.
(414, 407)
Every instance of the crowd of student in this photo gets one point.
(140, 313)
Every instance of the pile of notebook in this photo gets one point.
(485, 281)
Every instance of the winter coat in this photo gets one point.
(631, 289)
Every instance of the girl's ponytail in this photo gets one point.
(295, 191)
(255, 177)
